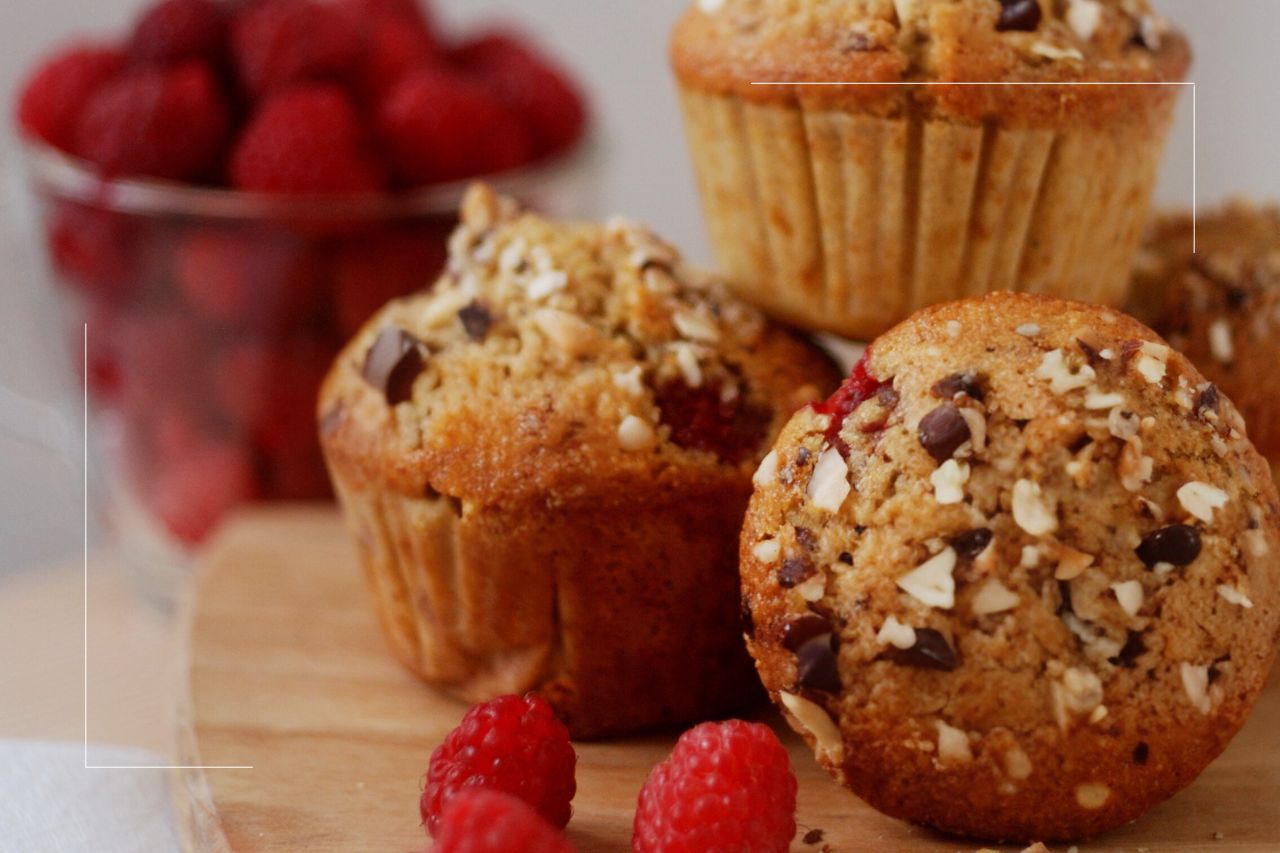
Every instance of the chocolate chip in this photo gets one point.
(816, 667)
(942, 431)
(803, 455)
(1080, 443)
(814, 836)
(1090, 352)
(931, 651)
(794, 570)
(1133, 648)
(476, 320)
(1064, 599)
(393, 362)
(806, 539)
(846, 558)
(966, 382)
(888, 396)
(1208, 399)
(1141, 752)
(970, 544)
(1237, 298)
(802, 629)
(1021, 15)
(1178, 545)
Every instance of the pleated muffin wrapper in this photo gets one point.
(847, 221)
(624, 616)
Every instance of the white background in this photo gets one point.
(618, 48)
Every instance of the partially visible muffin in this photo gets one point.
(843, 205)
(1017, 578)
(545, 462)
(1220, 305)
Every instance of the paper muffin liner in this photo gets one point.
(624, 618)
(849, 222)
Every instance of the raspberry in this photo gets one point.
(856, 390)
(193, 491)
(702, 419)
(439, 127)
(478, 820)
(529, 83)
(164, 123)
(275, 43)
(511, 744)
(236, 278)
(726, 787)
(96, 250)
(54, 95)
(176, 30)
(369, 272)
(395, 48)
(305, 140)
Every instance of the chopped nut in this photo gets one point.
(767, 473)
(1030, 557)
(813, 719)
(813, 588)
(1195, 681)
(1221, 344)
(829, 485)
(1083, 16)
(953, 745)
(994, 597)
(1130, 595)
(948, 482)
(1071, 563)
(636, 433)
(767, 551)
(695, 328)
(1257, 542)
(1151, 362)
(1061, 379)
(977, 429)
(1016, 764)
(1028, 330)
(1096, 400)
(931, 583)
(687, 361)
(1092, 795)
(629, 380)
(1049, 51)
(1134, 467)
(894, 633)
(546, 283)
(1234, 596)
(1030, 510)
(571, 334)
(1123, 425)
(1201, 499)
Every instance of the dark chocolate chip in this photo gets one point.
(1141, 752)
(793, 571)
(931, 651)
(392, 363)
(803, 455)
(1208, 399)
(816, 665)
(1133, 648)
(970, 544)
(1080, 443)
(802, 629)
(1064, 598)
(888, 396)
(814, 836)
(1023, 15)
(476, 320)
(1090, 352)
(1178, 545)
(846, 558)
(806, 539)
(1237, 298)
(942, 431)
(748, 619)
(966, 382)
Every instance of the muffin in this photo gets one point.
(1015, 580)
(545, 462)
(1221, 305)
(846, 207)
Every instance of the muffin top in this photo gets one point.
(726, 45)
(1017, 576)
(553, 358)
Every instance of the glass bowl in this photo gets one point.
(212, 317)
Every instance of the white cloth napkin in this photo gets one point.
(49, 803)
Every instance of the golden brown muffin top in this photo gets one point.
(725, 45)
(552, 355)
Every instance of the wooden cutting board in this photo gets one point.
(288, 673)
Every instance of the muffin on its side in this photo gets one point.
(1017, 578)
(1221, 305)
(846, 207)
(545, 462)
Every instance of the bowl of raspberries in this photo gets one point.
(230, 190)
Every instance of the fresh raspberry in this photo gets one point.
(54, 95)
(394, 48)
(439, 127)
(305, 140)
(96, 250)
(726, 787)
(369, 272)
(173, 31)
(860, 387)
(275, 43)
(194, 491)
(511, 744)
(164, 123)
(240, 279)
(544, 95)
(703, 419)
(479, 820)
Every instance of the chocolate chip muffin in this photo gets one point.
(545, 462)
(1221, 305)
(1016, 579)
(844, 205)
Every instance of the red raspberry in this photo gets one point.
(158, 122)
(511, 744)
(702, 419)
(275, 43)
(395, 48)
(478, 820)
(237, 278)
(543, 95)
(54, 95)
(305, 140)
(368, 272)
(192, 492)
(726, 787)
(176, 30)
(439, 127)
(96, 250)
(860, 387)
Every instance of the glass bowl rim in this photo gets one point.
(70, 178)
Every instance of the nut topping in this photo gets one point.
(931, 583)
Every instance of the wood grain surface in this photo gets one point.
(288, 673)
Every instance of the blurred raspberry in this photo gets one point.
(726, 787)
(543, 95)
(369, 272)
(193, 491)
(245, 280)
(305, 140)
(439, 127)
(510, 744)
(275, 43)
(176, 30)
(54, 95)
(478, 820)
(95, 250)
(163, 123)
(395, 48)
